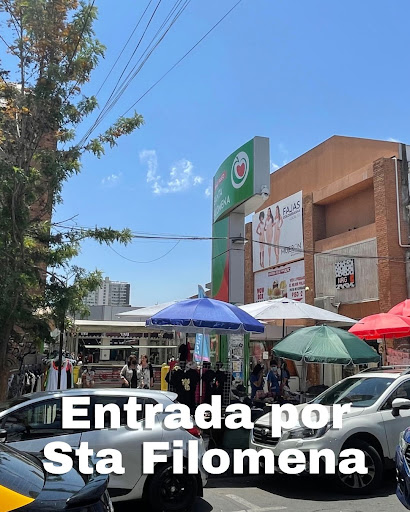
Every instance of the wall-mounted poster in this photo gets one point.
(345, 275)
(283, 281)
(277, 233)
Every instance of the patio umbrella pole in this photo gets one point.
(384, 362)
(283, 328)
(202, 365)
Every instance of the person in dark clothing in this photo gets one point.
(285, 374)
(220, 379)
(256, 379)
(129, 373)
(208, 378)
(183, 352)
(274, 383)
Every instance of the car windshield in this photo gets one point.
(359, 391)
(11, 403)
(21, 474)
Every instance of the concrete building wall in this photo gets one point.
(366, 280)
(350, 213)
(349, 208)
(330, 161)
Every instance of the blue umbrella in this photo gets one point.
(205, 315)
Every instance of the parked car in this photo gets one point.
(25, 484)
(380, 399)
(403, 468)
(33, 420)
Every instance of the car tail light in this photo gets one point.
(194, 431)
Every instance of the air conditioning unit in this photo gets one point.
(327, 302)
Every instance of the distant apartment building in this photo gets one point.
(111, 293)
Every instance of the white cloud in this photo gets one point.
(149, 157)
(112, 180)
(208, 191)
(180, 177)
(274, 167)
(390, 139)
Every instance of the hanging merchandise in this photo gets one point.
(66, 381)
(184, 382)
(208, 377)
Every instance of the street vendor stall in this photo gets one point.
(326, 345)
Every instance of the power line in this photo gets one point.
(134, 72)
(312, 252)
(181, 59)
(101, 115)
(118, 91)
(123, 49)
(143, 262)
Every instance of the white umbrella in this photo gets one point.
(286, 309)
(148, 312)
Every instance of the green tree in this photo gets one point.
(52, 49)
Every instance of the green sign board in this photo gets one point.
(220, 260)
(240, 186)
(234, 181)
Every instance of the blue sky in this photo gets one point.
(297, 72)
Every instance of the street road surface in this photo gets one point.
(261, 493)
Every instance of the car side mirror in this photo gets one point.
(3, 436)
(399, 404)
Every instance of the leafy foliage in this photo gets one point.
(53, 49)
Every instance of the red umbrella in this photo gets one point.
(402, 308)
(382, 325)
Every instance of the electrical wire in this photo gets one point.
(150, 261)
(101, 115)
(119, 89)
(312, 252)
(134, 71)
(181, 59)
(123, 49)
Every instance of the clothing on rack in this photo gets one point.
(185, 383)
(66, 381)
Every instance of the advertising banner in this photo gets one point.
(283, 281)
(277, 233)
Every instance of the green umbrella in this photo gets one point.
(324, 344)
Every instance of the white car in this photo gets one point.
(34, 420)
(380, 411)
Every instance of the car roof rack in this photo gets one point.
(404, 367)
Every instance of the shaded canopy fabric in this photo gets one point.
(325, 344)
(382, 325)
(402, 308)
(286, 309)
(205, 315)
(147, 312)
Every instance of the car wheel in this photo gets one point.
(173, 493)
(363, 484)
